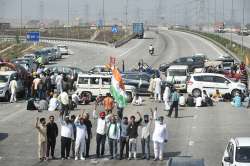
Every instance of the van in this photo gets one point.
(178, 76)
(93, 85)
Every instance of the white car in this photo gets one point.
(210, 82)
(63, 49)
(177, 75)
(237, 152)
(96, 84)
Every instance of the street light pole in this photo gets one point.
(231, 31)
(68, 12)
(103, 19)
(21, 17)
(242, 29)
(126, 15)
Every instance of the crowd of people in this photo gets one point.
(76, 135)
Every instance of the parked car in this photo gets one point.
(192, 62)
(30, 56)
(43, 55)
(140, 80)
(178, 75)
(92, 85)
(50, 53)
(63, 49)
(57, 52)
(5, 78)
(100, 69)
(210, 82)
(237, 152)
(29, 64)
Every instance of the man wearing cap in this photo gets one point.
(67, 135)
(160, 135)
(101, 134)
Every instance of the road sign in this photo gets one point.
(33, 36)
(114, 29)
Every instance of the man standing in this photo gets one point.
(145, 137)
(59, 83)
(157, 89)
(101, 134)
(42, 138)
(108, 103)
(35, 86)
(73, 141)
(52, 133)
(88, 124)
(124, 137)
(81, 136)
(113, 133)
(175, 103)
(67, 135)
(133, 134)
(13, 88)
(64, 100)
(160, 135)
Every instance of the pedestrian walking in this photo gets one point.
(160, 136)
(52, 133)
(113, 134)
(101, 134)
(67, 135)
(175, 103)
(81, 136)
(59, 83)
(42, 138)
(145, 136)
(108, 103)
(151, 86)
(88, 124)
(124, 138)
(13, 89)
(157, 88)
(133, 134)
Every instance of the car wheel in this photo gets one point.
(196, 92)
(7, 96)
(129, 97)
(233, 93)
(88, 95)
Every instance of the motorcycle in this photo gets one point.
(151, 52)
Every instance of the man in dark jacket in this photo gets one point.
(133, 134)
(88, 124)
(52, 133)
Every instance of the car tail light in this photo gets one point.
(189, 82)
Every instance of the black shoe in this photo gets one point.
(111, 158)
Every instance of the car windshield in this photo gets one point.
(243, 154)
(4, 78)
(175, 72)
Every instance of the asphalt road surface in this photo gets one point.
(197, 133)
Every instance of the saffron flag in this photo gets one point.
(246, 60)
(117, 88)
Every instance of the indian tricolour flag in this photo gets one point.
(117, 88)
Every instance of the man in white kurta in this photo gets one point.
(160, 136)
(13, 89)
(157, 92)
(81, 136)
(166, 98)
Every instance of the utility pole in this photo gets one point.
(21, 17)
(86, 11)
(68, 13)
(103, 19)
(243, 26)
(126, 17)
(215, 12)
(232, 16)
(41, 12)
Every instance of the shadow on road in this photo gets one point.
(3, 136)
(150, 38)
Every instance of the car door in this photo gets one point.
(228, 153)
(221, 83)
(208, 84)
(95, 86)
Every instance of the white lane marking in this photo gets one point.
(130, 49)
(191, 143)
(195, 116)
(194, 127)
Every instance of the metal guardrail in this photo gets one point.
(58, 39)
(124, 41)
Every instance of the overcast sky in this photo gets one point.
(174, 11)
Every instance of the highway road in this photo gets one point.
(198, 133)
(238, 39)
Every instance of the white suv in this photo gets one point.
(210, 82)
(94, 84)
(237, 152)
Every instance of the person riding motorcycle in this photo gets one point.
(151, 49)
